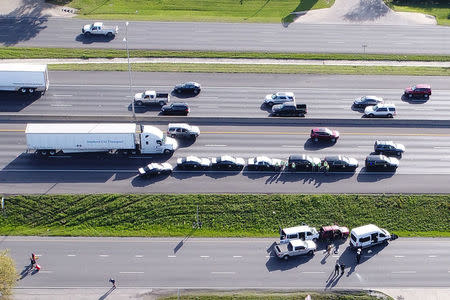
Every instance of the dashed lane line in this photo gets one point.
(204, 256)
(398, 256)
(404, 272)
(237, 256)
(171, 256)
(223, 272)
(71, 255)
(139, 256)
(104, 255)
(131, 272)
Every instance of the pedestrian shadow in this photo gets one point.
(26, 271)
(105, 295)
(333, 279)
(181, 243)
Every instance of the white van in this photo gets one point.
(303, 232)
(368, 235)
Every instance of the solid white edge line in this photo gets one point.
(71, 255)
(204, 256)
(403, 272)
(131, 272)
(223, 272)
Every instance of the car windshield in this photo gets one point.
(413, 88)
(375, 107)
(274, 96)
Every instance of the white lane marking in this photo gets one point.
(223, 272)
(312, 272)
(71, 255)
(335, 255)
(330, 42)
(237, 256)
(61, 105)
(131, 272)
(290, 146)
(103, 255)
(171, 256)
(215, 145)
(431, 255)
(59, 95)
(139, 256)
(404, 272)
(204, 256)
(399, 256)
(41, 271)
(441, 147)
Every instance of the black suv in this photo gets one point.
(381, 163)
(388, 148)
(176, 108)
(341, 163)
(187, 87)
(303, 163)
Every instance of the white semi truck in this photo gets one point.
(120, 138)
(22, 78)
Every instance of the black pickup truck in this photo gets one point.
(289, 109)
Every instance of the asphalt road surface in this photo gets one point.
(424, 168)
(224, 263)
(228, 95)
(54, 32)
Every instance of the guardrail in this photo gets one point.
(259, 121)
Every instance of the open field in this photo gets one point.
(61, 53)
(264, 11)
(438, 8)
(221, 215)
(257, 68)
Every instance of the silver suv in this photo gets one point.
(182, 130)
(380, 110)
(279, 98)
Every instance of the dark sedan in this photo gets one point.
(226, 162)
(187, 87)
(367, 101)
(193, 163)
(155, 169)
(341, 163)
(176, 108)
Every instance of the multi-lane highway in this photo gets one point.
(425, 167)
(228, 95)
(54, 32)
(224, 263)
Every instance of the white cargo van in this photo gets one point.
(368, 235)
(23, 78)
(303, 232)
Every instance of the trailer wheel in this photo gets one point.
(162, 103)
(43, 153)
(23, 90)
(31, 90)
(109, 34)
(139, 103)
(167, 151)
(286, 257)
(52, 152)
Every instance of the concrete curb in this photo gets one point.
(260, 121)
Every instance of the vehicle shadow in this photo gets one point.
(414, 100)
(266, 108)
(311, 145)
(373, 176)
(314, 178)
(251, 174)
(184, 143)
(185, 174)
(23, 28)
(145, 108)
(217, 174)
(276, 264)
(357, 109)
(15, 102)
(184, 95)
(86, 40)
(139, 181)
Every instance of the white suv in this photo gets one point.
(380, 110)
(279, 98)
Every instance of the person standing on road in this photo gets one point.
(342, 269)
(113, 281)
(329, 247)
(358, 255)
(336, 268)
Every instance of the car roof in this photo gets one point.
(365, 229)
(154, 166)
(262, 158)
(98, 24)
(179, 104)
(288, 104)
(386, 105)
(227, 158)
(290, 94)
(330, 227)
(321, 129)
(373, 97)
(192, 158)
(299, 242)
(376, 157)
(423, 86)
(292, 230)
(378, 142)
(179, 125)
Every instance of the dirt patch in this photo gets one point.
(34, 9)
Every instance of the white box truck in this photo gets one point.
(23, 78)
(125, 139)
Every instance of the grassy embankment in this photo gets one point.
(274, 296)
(251, 68)
(438, 8)
(222, 215)
(265, 11)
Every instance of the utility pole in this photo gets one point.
(129, 69)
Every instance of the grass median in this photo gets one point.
(233, 215)
(438, 8)
(257, 68)
(193, 10)
(64, 53)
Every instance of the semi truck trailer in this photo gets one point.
(115, 138)
(22, 78)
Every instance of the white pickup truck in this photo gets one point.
(151, 97)
(294, 248)
(99, 29)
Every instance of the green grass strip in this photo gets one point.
(61, 53)
(222, 215)
(273, 296)
(257, 68)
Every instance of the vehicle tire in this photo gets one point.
(43, 153)
(23, 90)
(371, 116)
(109, 35)
(399, 153)
(31, 90)
(389, 115)
(316, 139)
(270, 104)
(124, 153)
(162, 103)
(286, 257)
(196, 91)
(178, 91)
(311, 253)
(173, 135)
(51, 152)
(167, 151)
(87, 34)
(426, 96)
(333, 140)
(410, 95)
(139, 103)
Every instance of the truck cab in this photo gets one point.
(153, 140)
